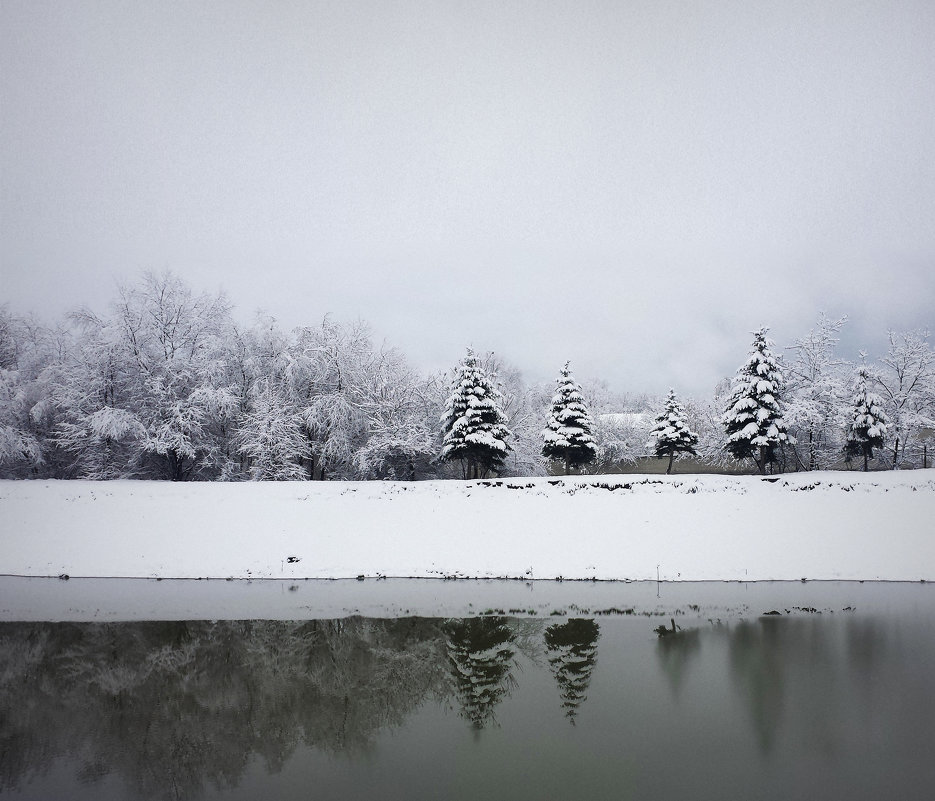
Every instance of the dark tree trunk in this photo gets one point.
(761, 461)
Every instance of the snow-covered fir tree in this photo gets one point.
(670, 434)
(474, 426)
(866, 427)
(753, 417)
(568, 436)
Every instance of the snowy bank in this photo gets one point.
(689, 528)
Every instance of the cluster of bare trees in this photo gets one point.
(166, 385)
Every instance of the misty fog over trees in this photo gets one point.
(164, 384)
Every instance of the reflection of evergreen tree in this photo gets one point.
(572, 649)
(480, 656)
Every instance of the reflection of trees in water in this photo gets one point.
(174, 707)
(866, 646)
(757, 668)
(799, 664)
(572, 650)
(675, 651)
(481, 651)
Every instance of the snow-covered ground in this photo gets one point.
(688, 528)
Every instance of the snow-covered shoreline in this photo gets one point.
(818, 526)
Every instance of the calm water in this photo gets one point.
(830, 705)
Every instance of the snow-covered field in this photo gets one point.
(688, 528)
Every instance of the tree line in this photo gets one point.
(165, 385)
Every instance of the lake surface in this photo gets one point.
(828, 703)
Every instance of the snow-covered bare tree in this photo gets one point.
(907, 384)
(332, 367)
(524, 409)
(866, 423)
(621, 425)
(96, 396)
(704, 416)
(25, 355)
(173, 338)
(670, 435)
(18, 446)
(271, 436)
(753, 417)
(814, 395)
(400, 409)
(568, 436)
(475, 431)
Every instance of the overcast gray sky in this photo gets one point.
(634, 186)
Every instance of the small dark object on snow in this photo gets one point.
(360, 577)
(64, 576)
(662, 631)
(292, 559)
(772, 612)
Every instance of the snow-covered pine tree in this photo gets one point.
(670, 434)
(866, 427)
(753, 417)
(474, 427)
(568, 436)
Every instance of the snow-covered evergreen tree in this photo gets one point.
(568, 436)
(866, 427)
(474, 426)
(670, 434)
(753, 417)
